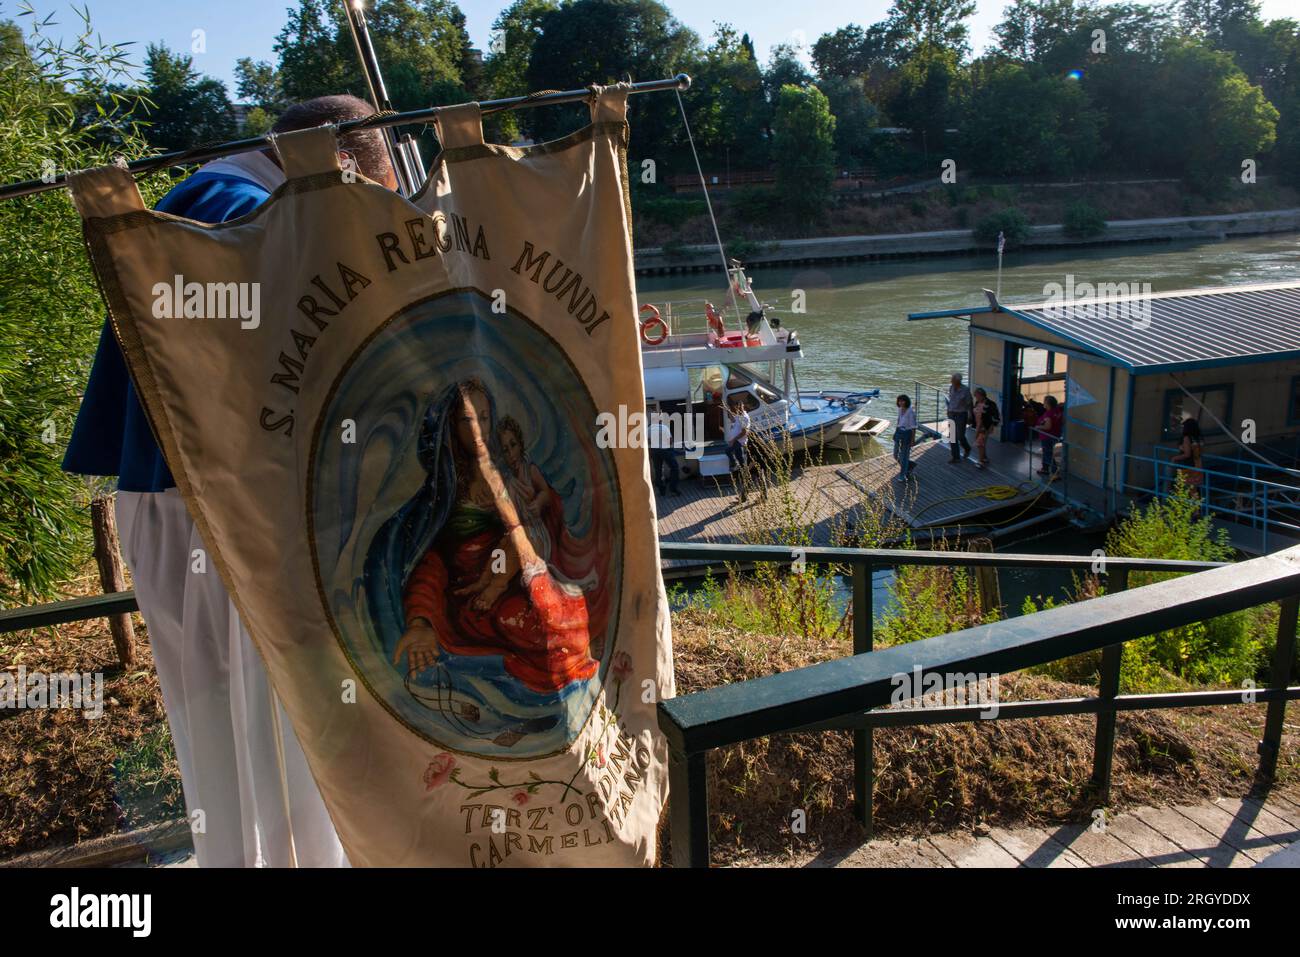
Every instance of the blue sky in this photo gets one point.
(237, 28)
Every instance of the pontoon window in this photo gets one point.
(1209, 403)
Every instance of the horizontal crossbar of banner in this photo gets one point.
(202, 154)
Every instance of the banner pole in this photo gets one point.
(202, 154)
(408, 179)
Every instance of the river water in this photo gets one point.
(855, 332)
(856, 335)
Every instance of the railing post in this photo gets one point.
(1112, 657)
(688, 808)
(1283, 657)
(864, 759)
(1264, 527)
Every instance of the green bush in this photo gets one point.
(1227, 650)
(1084, 221)
(753, 204)
(930, 600)
(60, 114)
(670, 210)
(1011, 222)
(745, 249)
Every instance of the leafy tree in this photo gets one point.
(852, 51)
(310, 61)
(939, 24)
(257, 122)
(804, 148)
(728, 110)
(784, 68)
(50, 307)
(1021, 121)
(1219, 21)
(258, 84)
(1031, 30)
(1215, 114)
(514, 32)
(186, 109)
(422, 47)
(927, 94)
(604, 41)
(855, 117)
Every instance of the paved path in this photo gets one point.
(1228, 832)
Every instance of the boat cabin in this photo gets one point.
(1130, 370)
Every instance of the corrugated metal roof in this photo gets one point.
(1195, 328)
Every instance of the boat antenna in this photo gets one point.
(726, 274)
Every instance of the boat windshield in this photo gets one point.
(743, 377)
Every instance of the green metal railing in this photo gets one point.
(842, 694)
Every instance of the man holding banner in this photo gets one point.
(454, 584)
(249, 794)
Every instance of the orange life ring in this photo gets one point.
(648, 324)
(715, 320)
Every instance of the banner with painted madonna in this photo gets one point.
(395, 462)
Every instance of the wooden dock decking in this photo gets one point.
(827, 497)
(1227, 832)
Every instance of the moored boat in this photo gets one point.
(695, 364)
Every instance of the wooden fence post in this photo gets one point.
(986, 578)
(111, 576)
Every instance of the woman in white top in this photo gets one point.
(904, 436)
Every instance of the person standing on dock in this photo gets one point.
(1189, 454)
(959, 408)
(904, 436)
(663, 455)
(986, 418)
(737, 438)
(1049, 427)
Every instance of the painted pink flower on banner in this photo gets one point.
(621, 665)
(438, 771)
(521, 798)
(600, 755)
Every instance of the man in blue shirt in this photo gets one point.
(251, 798)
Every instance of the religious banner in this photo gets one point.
(382, 413)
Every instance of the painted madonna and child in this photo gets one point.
(480, 605)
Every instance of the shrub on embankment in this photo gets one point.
(61, 114)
